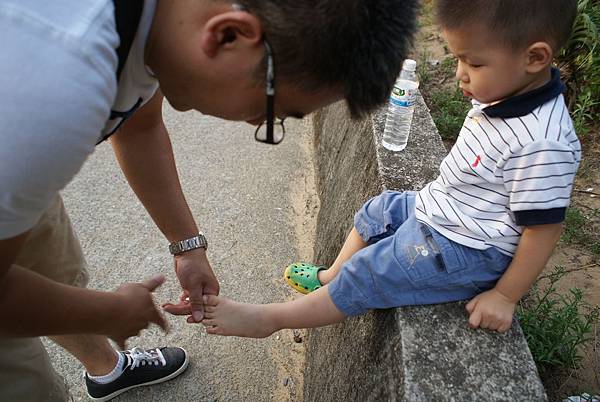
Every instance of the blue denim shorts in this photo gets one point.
(407, 262)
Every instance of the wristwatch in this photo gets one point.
(192, 243)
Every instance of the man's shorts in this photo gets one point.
(51, 250)
(408, 263)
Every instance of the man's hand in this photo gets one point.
(197, 279)
(136, 310)
(491, 310)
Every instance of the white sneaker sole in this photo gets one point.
(167, 378)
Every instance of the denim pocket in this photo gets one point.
(450, 254)
(419, 254)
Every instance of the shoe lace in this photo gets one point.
(139, 357)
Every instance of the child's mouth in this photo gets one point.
(467, 94)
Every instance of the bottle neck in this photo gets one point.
(408, 75)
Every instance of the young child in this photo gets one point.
(485, 228)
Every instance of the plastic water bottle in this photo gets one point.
(401, 108)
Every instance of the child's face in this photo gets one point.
(487, 71)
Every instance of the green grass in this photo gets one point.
(448, 67)
(423, 71)
(448, 110)
(556, 326)
(579, 230)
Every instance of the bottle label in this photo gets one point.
(403, 97)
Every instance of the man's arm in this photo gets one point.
(32, 305)
(494, 309)
(144, 152)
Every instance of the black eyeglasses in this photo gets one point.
(270, 131)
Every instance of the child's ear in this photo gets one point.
(230, 29)
(539, 56)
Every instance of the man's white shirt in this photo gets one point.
(58, 74)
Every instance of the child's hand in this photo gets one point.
(491, 310)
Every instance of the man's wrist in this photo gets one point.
(192, 243)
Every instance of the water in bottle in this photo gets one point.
(401, 108)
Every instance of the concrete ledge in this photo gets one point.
(420, 353)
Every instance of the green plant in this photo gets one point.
(582, 112)
(556, 325)
(423, 68)
(578, 230)
(448, 66)
(448, 110)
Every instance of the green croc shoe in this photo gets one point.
(303, 277)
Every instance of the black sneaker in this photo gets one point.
(142, 367)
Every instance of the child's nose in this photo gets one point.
(461, 73)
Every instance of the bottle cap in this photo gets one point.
(409, 65)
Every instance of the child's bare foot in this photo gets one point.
(226, 317)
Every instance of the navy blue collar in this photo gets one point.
(523, 104)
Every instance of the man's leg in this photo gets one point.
(24, 362)
(93, 351)
(53, 250)
(26, 373)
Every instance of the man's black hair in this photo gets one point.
(354, 45)
(515, 23)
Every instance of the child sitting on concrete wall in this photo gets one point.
(485, 228)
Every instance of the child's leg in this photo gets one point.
(227, 317)
(352, 244)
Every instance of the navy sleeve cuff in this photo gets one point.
(540, 216)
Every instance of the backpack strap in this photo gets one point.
(127, 17)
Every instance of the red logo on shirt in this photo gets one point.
(477, 161)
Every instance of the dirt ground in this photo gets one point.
(430, 48)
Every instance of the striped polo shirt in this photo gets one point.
(512, 166)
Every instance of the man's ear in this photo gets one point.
(230, 29)
(539, 56)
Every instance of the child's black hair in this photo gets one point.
(515, 23)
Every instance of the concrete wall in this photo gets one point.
(420, 353)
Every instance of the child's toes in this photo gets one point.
(213, 330)
(209, 322)
(209, 309)
(208, 314)
(210, 300)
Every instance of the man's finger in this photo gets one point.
(153, 282)
(196, 303)
(160, 321)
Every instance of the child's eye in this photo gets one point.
(475, 65)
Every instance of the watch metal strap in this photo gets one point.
(192, 243)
